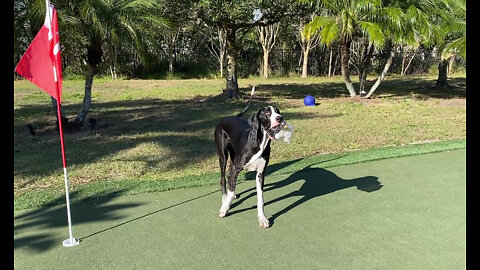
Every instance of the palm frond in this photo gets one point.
(366, 6)
(423, 27)
(392, 17)
(329, 33)
(456, 46)
(318, 23)
(158, 21)
(374, 32)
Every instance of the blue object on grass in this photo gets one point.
(309, 101)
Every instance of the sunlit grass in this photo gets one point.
(158, 130)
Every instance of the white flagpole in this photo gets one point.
(70, 242)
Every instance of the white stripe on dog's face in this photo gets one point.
(273, 118)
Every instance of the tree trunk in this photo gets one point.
(451, 62)
(267, 35)
(94, 58)
(265, 63)
(232, 84)
(64, 118)
(330, 62)
(170, 58)
(404, 72)
(217, 50)
(335, 65)
(364, 65)
(222, 56)
(442, 73)
(87, 99)
(305, 62)
(113, 67)
(362, 77)
(345, 54)
(382, 75)
(113, 71)
(221, 48)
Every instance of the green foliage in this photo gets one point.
(329, 29)
(347, 20)
(134, 33)
(454, 28)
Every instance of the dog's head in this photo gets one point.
(268, 119)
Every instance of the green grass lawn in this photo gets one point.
(156, 132)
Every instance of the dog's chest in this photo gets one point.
(256, 162)
(256, 165)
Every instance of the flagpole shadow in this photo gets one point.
(147, 215)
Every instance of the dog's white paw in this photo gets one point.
(223, 212)
(226, 201)
(263, 222)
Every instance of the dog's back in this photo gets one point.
(233, 126)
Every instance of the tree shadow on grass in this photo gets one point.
(316, 182)
(182, 127)
(392, 87)
(43, 220)
(183, 130)
(47, 218)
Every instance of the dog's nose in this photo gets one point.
(279, 119)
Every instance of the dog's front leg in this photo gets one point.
(262, 220)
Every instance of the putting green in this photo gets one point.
(400, 213)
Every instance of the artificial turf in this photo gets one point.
(398, 213)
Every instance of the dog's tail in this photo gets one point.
(248, 105)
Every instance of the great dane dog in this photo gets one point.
(248, 145)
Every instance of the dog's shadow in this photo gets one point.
(317, 182)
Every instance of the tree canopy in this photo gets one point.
(148, 37)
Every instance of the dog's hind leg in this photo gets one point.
(232, 179)
(221, 144)
(224, 149)
(223, 156)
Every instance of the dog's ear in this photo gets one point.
(253, 121)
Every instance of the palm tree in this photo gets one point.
(457, 27)
(397, 22)
(104, 24)
(452, 39)
(345, 21)
(412, 27)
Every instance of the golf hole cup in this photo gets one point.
(285, 134)
(309, 101)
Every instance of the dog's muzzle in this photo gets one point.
(276, 127)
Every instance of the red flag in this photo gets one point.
(41, 63)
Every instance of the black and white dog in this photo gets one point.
(248, 145)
